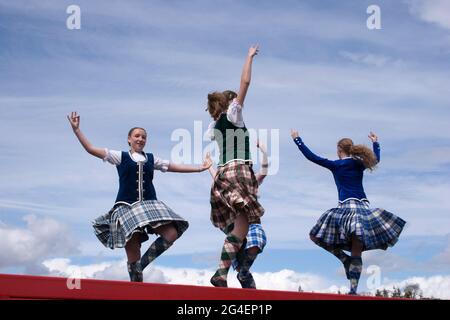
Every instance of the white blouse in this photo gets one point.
(115, 158)
(234, 115)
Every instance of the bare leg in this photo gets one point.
(168, 232)
(240, 227)
(133, 248)
(338, 253)
(356, 247)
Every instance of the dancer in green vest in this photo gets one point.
(234, 203)
(256, 237)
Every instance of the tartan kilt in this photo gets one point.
(234, 192)
(375, 228)
(115, 228)
(256, 237)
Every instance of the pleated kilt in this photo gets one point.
(256, 237)
(115, 228)
(234, 192)
(375, 228)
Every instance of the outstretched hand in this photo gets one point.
(294, 133)
(253, 51)
(207, 162)
(74, 120)
(372, 136)
(261, 146)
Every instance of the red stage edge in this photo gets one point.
(34, 287)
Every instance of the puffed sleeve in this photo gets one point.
(234, 114)
(210, 130)
(112, 156)
(161, 165)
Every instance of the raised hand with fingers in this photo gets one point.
(253, 51)
(261, 146)
(372, 136)
(74, 120)
(206, 163)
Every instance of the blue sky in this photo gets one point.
(152, 63)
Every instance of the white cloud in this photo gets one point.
(285, 279)
(435, 11)
(366, 58)
(442, 259)
(39, 240)
(321, 80)
(388, 262)
(62, 267)
(30, 206)
(427, 159)
(432, 287)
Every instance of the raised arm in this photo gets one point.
(309, 154)
(376, 145)
(264, 164)
(246, 74)
(74, 120)
(184, 168)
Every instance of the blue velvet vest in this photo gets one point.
(135, 179)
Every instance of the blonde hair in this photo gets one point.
(359, 152)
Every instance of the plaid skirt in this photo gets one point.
(256, 237)
(375, 228)
(234, 192)
(115, 228)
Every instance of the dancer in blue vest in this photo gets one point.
(256, 237)
(234, 203)
(352, 226)
(137, 212)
